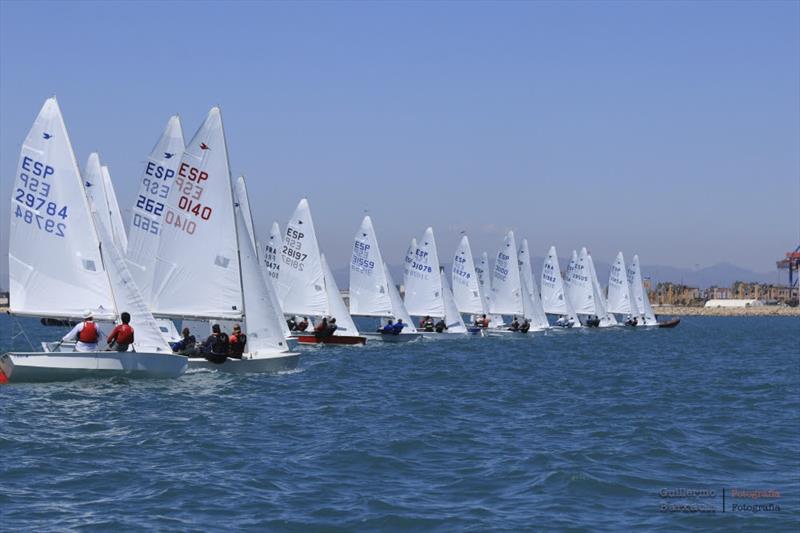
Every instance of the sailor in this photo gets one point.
(398, 327)
(426, 323)
(388, 327)
(215, 348)
(321, 330)
(237, 340)
(303, 325)
(332, 326)
(186, 345)
(122, 335)
(485, 321)
(87, 334)
(292, 325)
(562, 321)
(514, 325)
(440, 326)
(526, 325)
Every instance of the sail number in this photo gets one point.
(361, 261)
(32, 196)
(291, 254)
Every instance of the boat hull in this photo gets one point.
(29, 367)
(254, 365)
(670, 323)
(333, 339)
(402, 337)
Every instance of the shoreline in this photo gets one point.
(764, 310)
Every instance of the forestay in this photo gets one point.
(301, 283)
(369, 291)
(55, 267)
(506, 290)
(646, 315)
(148, 210)
(423, 281)
(466, 286)
(620, 295)
(531, 300)
(336, 307)
(197, 264)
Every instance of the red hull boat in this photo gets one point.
(332, 339)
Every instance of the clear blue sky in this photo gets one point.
(669, 129)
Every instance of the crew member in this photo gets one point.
(303, 325)
(237, 342)
(122, 335)
(186, 345)
(215, 348)
(87, 333)
(440, 326)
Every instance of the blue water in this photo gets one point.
(572, 429)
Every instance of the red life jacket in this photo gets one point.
(124, 334)
(89, 333)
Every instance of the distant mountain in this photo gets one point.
(720, 275)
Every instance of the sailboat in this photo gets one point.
(620, 293)
(484, 272)
(531, 298)
(606, 318)
(63, 263)
(427, 292)
(203, 258)
(370, 290)
(467, 287)
(646, 316)
(554, 299)
(266, 342)
(506, 293)
(305, 283)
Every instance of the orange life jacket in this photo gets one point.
(89, 333)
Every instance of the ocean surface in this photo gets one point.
(581, 430)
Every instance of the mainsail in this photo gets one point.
(398, 307)
(620, 294)
(581, 290)
(506, 288)
(452, 318)
(484, 273)
(423, 281)
(646, 315)
(369, 290)
(301, 282)
(55, 265)
(114, 213)
(466, 286)
(553, 297)
(147, 218)
(197, 265)
(271, 257)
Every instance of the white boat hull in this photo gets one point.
(403, 337)
(68, 366)
(253, 365)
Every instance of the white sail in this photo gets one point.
(554, 299)
(646, 315)
(423, 281)
(369, 290)
(55, 267)
(455, 324)
(606, 318)
(243, 199)
(581, 290)
(271, 256)
(398, 307)
(197, 265)
(264, 323)
(114, 213)
(301, 282)
(336, 307)
(506, 289)
(620, 295)
(95, 186)
(466, 286)
(532, 302)
(484, 273)
(127, 298)
(146, 219)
